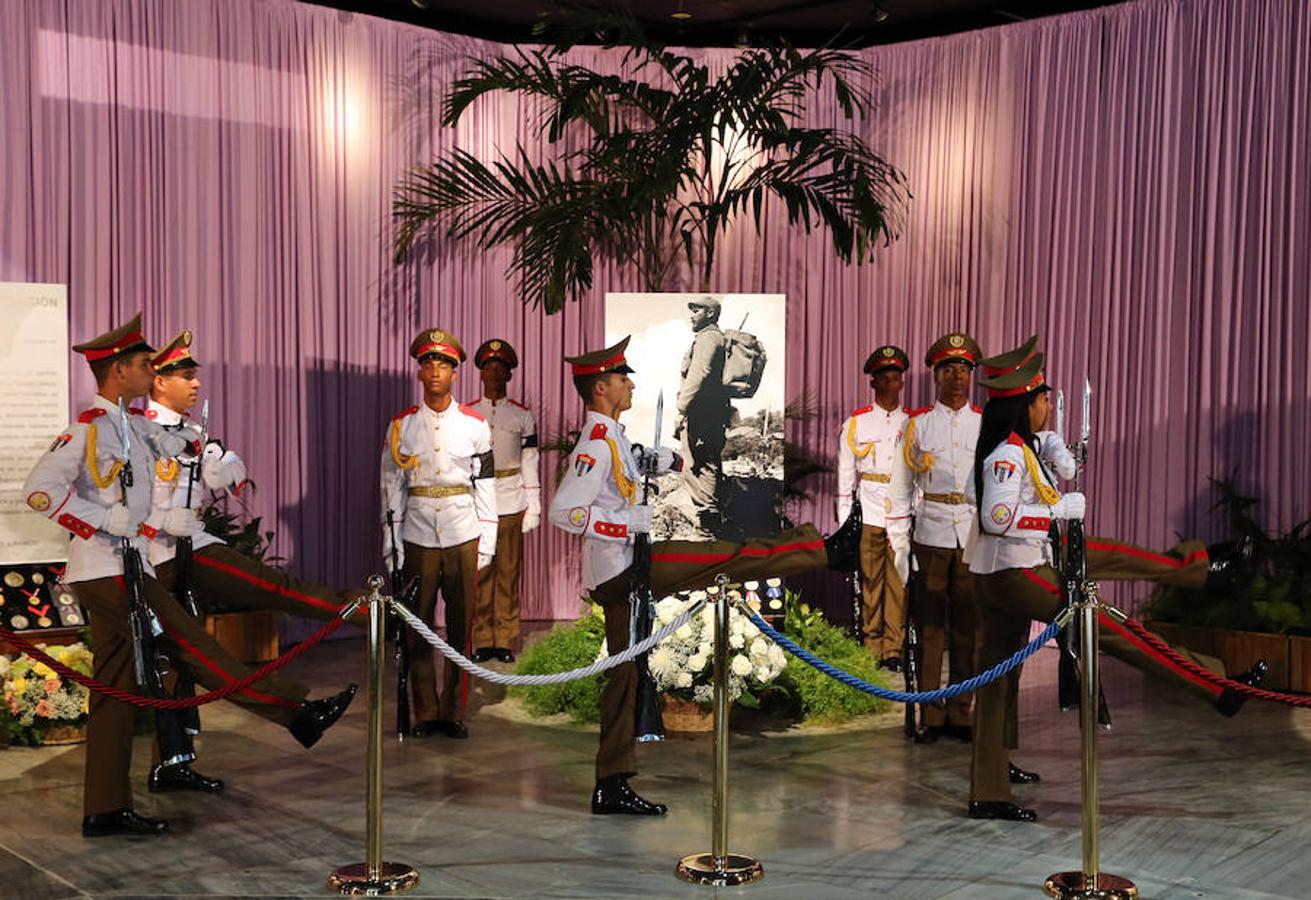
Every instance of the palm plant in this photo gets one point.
(671, 156)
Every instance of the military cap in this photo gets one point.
(708, 301)
(123, 339)
(436, 342)
(176, 354)
(1010, 360)
(495, 349)
(601, 362)
(887, 357)
(1025, 378)
(952, 347)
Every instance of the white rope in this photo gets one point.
(421, 628)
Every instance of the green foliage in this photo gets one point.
(1271, 592)
(813, 695)
(565, 647)
(237, 528)
(668, 157)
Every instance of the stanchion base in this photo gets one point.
(733, 868)
(392, 877)
(1071, 886)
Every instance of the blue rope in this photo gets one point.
(951, 690)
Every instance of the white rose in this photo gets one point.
(667, 610)
(736, 641)
(707, 649)
(683, 680)
(741, 666)
(658, 660)
(696, 663)
(777, 657)
(684, 632)
(759, 649)
(764, 673)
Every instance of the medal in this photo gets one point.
(44, 621)
(19, 622)
(13, 579)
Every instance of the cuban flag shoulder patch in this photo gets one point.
(1002, 470)
(584, 463)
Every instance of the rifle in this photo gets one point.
(857, 590)
(174, 742)
(403, 594)
(910, 662)
(649, 724)
(185, 686)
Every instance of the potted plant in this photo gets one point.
(40, 706)
(668, 156)
(1262, 610)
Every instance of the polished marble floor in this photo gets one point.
(1193, 805)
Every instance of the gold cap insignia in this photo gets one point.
(956, 340)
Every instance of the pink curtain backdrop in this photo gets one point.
(1131, 183)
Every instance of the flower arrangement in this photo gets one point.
(683, 663)
(37, 700)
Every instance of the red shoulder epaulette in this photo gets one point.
(976, 408)
(518, 404)
(89, 415)
(132, 410)
(918, 412)
(471, 412)
(151, 414)
(409, 412)
(598, 432)
(1015, 439)
(861, 411)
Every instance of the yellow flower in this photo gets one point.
(20, 685)
(43, 670)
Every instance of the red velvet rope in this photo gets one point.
(1206, 674)
(109, 690)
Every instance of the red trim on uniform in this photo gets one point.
(744, 551)
(994, 371)
(89, 415)
(977, 409)
(1035, 523)
(443, 349)
(61, 505)
(1015, 439)
(918, 412)
(598, 432)
(1040, 581)
(471, 412)
(861, 411)
(597, 368)
(261, 583)
(1108, 622)
(1144, 554)
(952, 353)
(214, 667)
(611, 529)
(408, 412)
(148, 531)
(677, 464)
(76, 525)
(998, 393)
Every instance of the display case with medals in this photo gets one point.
(37, 604)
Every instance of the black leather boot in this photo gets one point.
(843, 545)
(1231, 701)
(313, 717)
(1021, 776)
(613, 796)
(1000, 809)
(121, 821)
(181, 777)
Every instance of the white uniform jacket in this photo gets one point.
(63, 487)
(438, 478)
(514, 446)
(171, 487)
(1014, 517)
(598, 494)
(939, 449)
(870, 460)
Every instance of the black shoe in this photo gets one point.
(121, 821)
(313, 717)
(504, 655)
(1000, 809)
(427, 728)
(1229, 562)
(1231, 701)
(843, 545)
(927, 734)
(613, 796)
(1020, 776)
(891, 663)
(181, 777)
(962, 733)
(455, 729)
(482, 654)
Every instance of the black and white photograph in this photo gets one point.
(717, 360)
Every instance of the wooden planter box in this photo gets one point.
(251, 637)
(1238, 650)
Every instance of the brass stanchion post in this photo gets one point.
(374, 877)
(1090, 883)
(719, 867)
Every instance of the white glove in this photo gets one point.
(1070, 506)
(531, 520)
(182, 522)
(1056, 454)
(121, 521)
(222, 471)
(387, 548)
(639, 521)
(484, 560)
